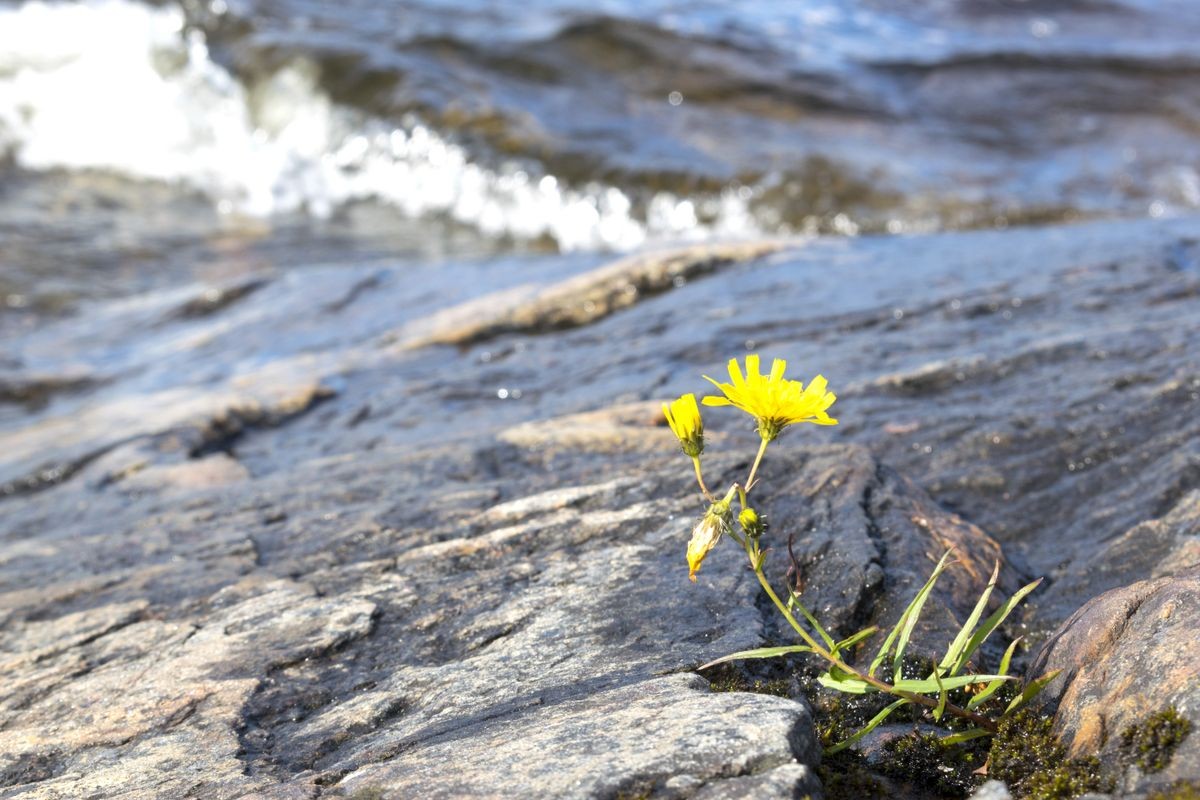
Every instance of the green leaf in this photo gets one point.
(936, 684)
(762, 652)
(941, 706)
(794, 600)
(964, 736)
(988, 690)
(1032, 689)
(964, 635)
(842, 681)
(992, 622)
(870, 726)
(908, 620)
(877, 662)
(886, 647)
(850, 641)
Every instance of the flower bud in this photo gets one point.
(751, 523)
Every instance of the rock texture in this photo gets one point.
(1127, 654)
(272, 539)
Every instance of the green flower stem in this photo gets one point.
(700, 480)
(762, 448)
(883, 686)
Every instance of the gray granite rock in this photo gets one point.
(668, 736)
(992, 790)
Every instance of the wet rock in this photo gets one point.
(1163, 546)
(1124, 656)
(635, 427)
(583, 299)
(313, 558)
(217, 469)
(216, 298)
(866, 539)
(35, 391)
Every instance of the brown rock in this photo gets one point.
(1125, 655)
(579, 300)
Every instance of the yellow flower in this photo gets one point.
(705, 536)
(772, 400)
(683, 416)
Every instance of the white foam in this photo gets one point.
(116, 85)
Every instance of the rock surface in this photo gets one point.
(277, 542)
(1126, 654)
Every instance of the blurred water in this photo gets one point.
(144, 142)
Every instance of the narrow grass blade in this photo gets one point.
(761, 652)
(935, 684)
(991, 623)
(908, 620)
(1032, 689)
(960, 641)
(850, 641)
(877, 662)
(795, 601)
(870, 726)
(964, 736)
(941, 706)
(886, 647)
(990, 689)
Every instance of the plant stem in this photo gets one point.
(700, 480)
(883, 686)
(762, 448)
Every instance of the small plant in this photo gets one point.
(1151, 743)
(1027, 756)
(922, 758)
(776, 403)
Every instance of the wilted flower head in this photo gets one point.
(683, 416)
(706, 534)
(772, 400)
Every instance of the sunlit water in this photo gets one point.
(155, 140)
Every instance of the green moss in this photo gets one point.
(368, 793)
(1027, 756)
(1024, 753)
(845, 776)
(1183, 790)
(728, 678)
(1151, 743)
(640, 793)
(920, 759)
(1071, 779)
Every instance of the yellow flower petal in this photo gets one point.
(683, 417)
(777, 368)
(773, 400)
(752, 373)
(735, 373)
